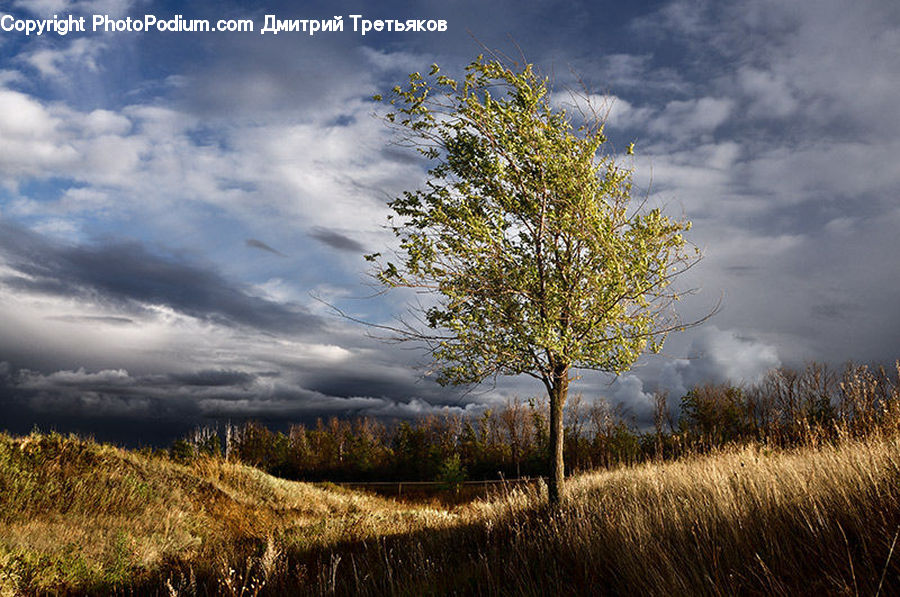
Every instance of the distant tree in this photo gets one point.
(451, 473)
(260, 447)
(182, 451)
(715, 414)
(660, 418)
(525, 235)
(514, 420)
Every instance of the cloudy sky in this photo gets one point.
(177, 209)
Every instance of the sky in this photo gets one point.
(178, 210)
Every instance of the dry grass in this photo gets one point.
(76, 515)
(79, 517)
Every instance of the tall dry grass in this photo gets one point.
(820, 519)
(77, 516)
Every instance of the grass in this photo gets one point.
(79, 517)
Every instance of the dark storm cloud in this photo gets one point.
(109, 406)
(742, 270)
(214, 378)
(154, 409)
(372, 383)
(127, 274)
(111, 320)
(336, 240)
(258, 244)
(835, 311)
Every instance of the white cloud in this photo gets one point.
(719, 356)
(23, 117)
(31, 134)
(621, 113)
(81, 53)
(683, 119)
(104, 122)
(48, 8)
(404, 62)
(817, 169)
(770, 93)
(31, 380)
(636, 72)
(679, 122)
(43, 7)
(8, 76)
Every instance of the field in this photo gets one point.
(80, 517)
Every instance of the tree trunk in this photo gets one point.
(558, 393)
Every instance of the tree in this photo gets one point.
(523, 238)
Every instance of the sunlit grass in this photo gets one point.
(78, 516)
(74, 513)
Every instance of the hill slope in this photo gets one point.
(79, 515)
(76, 516)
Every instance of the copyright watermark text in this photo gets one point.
(149, 23)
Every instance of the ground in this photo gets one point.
(81, 517)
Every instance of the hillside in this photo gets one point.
(79, 515)
(82, 517)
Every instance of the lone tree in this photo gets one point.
(525, 236)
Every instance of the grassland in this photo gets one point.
(80, 517)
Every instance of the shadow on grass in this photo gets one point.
(542, 551)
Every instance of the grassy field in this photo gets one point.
(79, 517)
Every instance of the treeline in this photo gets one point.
(787, 407)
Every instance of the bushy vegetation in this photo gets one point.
(786, 408)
